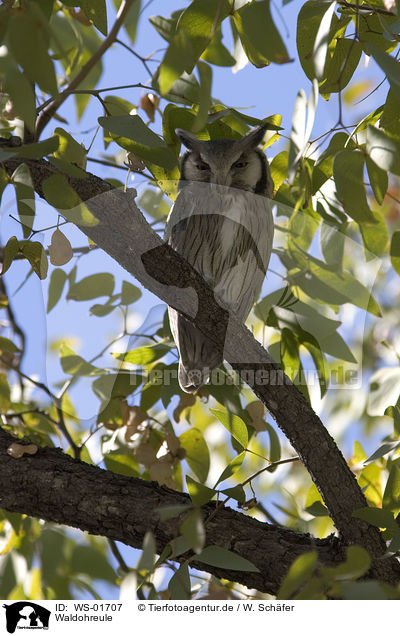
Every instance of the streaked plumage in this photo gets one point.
(222, 224)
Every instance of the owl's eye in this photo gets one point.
(202, 165)
(241, 163)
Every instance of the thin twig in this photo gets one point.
(139, 57)
(364, 7)
(50, 110)
(56, 401)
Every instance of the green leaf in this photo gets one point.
(390, 119)
(165, 27)
(199, 493)
(69, 149)
(383, 150)
(357, 563)
(259, 36)
(25, 195)
(216, 53)
(389, 66)
(362, 591)
(21, 93)
(332, 245)
(59, 194)
(192, 529)
(234, 424)
(308, 24)
(290, 356)
(274, 444)
(131, 133)
(179, 584)
(382, 450)
(222, 558)
(96, 11)
(103, 310)
(175, 61)
(5, 393)
(197, 453)
(8, 345)
(93, 286)
(236, 492)
(88, 560)
(185, 90)
(38, 150)
(375, 237)
(205, 75)
(384, 390)
(336, 289)
(279, 168)
(122, 465)
(302, 124)
(378, 179)
(348, 169)
(73, 364)
(171, 512)
(376, 517)
(299, 572)
(391, 496)
(129, 294)
(395, 251)
(144, 355)
(312, 346)
(28, 42)
(131, 19)
(10, 251)
(322, 40)
(317, 509)
(231, 468)
(341, 66)
(4, 180)
(116, 385)
(56, 286)
(148, 556)
(191, 36)
(34, 252)
(151, 393)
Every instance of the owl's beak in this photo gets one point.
(221, 178)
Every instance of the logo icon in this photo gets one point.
(26, 615)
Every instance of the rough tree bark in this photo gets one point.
(123, 233)
(57, 488)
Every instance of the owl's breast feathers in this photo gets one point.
(226, 235)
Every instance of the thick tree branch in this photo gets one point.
(53, 486)
(123, 233)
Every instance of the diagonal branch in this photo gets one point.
(48, 112)
(124, 234)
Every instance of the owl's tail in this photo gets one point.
(198, 355)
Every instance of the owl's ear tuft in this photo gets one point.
(254, 137)
(187, 139)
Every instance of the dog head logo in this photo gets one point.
(26, 615)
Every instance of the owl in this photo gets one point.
(222, 224)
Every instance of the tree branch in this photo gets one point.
(48, 112)
(54, 487)
(124, 234)
(360, 8)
